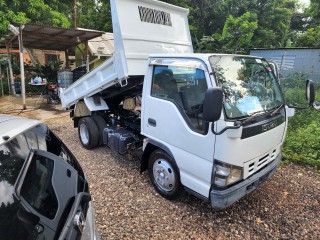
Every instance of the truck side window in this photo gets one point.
(186, 87)
(165, 85)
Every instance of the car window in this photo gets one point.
(37, 187)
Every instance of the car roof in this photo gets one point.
(11, 126)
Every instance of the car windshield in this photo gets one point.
(248, 83)
(12, 157)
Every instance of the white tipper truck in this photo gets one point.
(212, 124)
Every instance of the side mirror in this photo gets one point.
(310, 92)
(30, 222)
(28, 218)
(212, 104)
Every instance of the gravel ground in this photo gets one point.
(127, 207)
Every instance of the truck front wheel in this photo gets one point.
(164, 175)
(88, 133)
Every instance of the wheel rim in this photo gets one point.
(164, 175)
(84, 134)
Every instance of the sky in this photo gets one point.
(305, 1)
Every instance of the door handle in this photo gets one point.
(152, 122)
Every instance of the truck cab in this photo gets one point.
(240, 148)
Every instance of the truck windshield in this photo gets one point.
(248, 83)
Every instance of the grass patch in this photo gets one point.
(302, 144)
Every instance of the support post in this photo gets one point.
(8, 79)
(10, 71)
(75, 14)
(67, 59)
(2, 91)
(87, 57)
(23, 87)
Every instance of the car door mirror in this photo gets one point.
(310, 92)
(212, 104)
(27, 217)
(298, 98)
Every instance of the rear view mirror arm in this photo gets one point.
(297, 107)
(237, 125)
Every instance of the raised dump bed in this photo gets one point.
(134, 39)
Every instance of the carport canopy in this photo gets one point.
(35, 36)
(44, 37)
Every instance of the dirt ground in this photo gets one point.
(287, 206)
(36, 108)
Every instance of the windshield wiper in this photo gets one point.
(276, 110)
(253, 115)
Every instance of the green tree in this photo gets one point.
(238, 32)
(94, 14)
(311, 38)
(236, 35)
(313, 13)
(308, 35)
(274, 17)
(35, 11)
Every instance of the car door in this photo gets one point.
(46, 188)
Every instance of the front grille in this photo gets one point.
(256, 164)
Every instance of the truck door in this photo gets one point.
(173, 95)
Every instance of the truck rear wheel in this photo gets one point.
(88, 133)
(164, 175)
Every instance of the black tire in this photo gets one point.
(102, 124)
(164, 175)
(88, 133)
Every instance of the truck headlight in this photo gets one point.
(226, 174)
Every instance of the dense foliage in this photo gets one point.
(216, 26)
(302, 144)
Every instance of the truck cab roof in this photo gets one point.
(202, 56)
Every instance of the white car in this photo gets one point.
(44, 193)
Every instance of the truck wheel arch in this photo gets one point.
(151, 147)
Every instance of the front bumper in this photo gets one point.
(89, 231)
(221, 199)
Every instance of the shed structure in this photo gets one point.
(293, 60)
(35, 36)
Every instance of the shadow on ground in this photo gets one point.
(36, 108)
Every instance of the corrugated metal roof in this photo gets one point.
(51, 38)
(102, 46)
